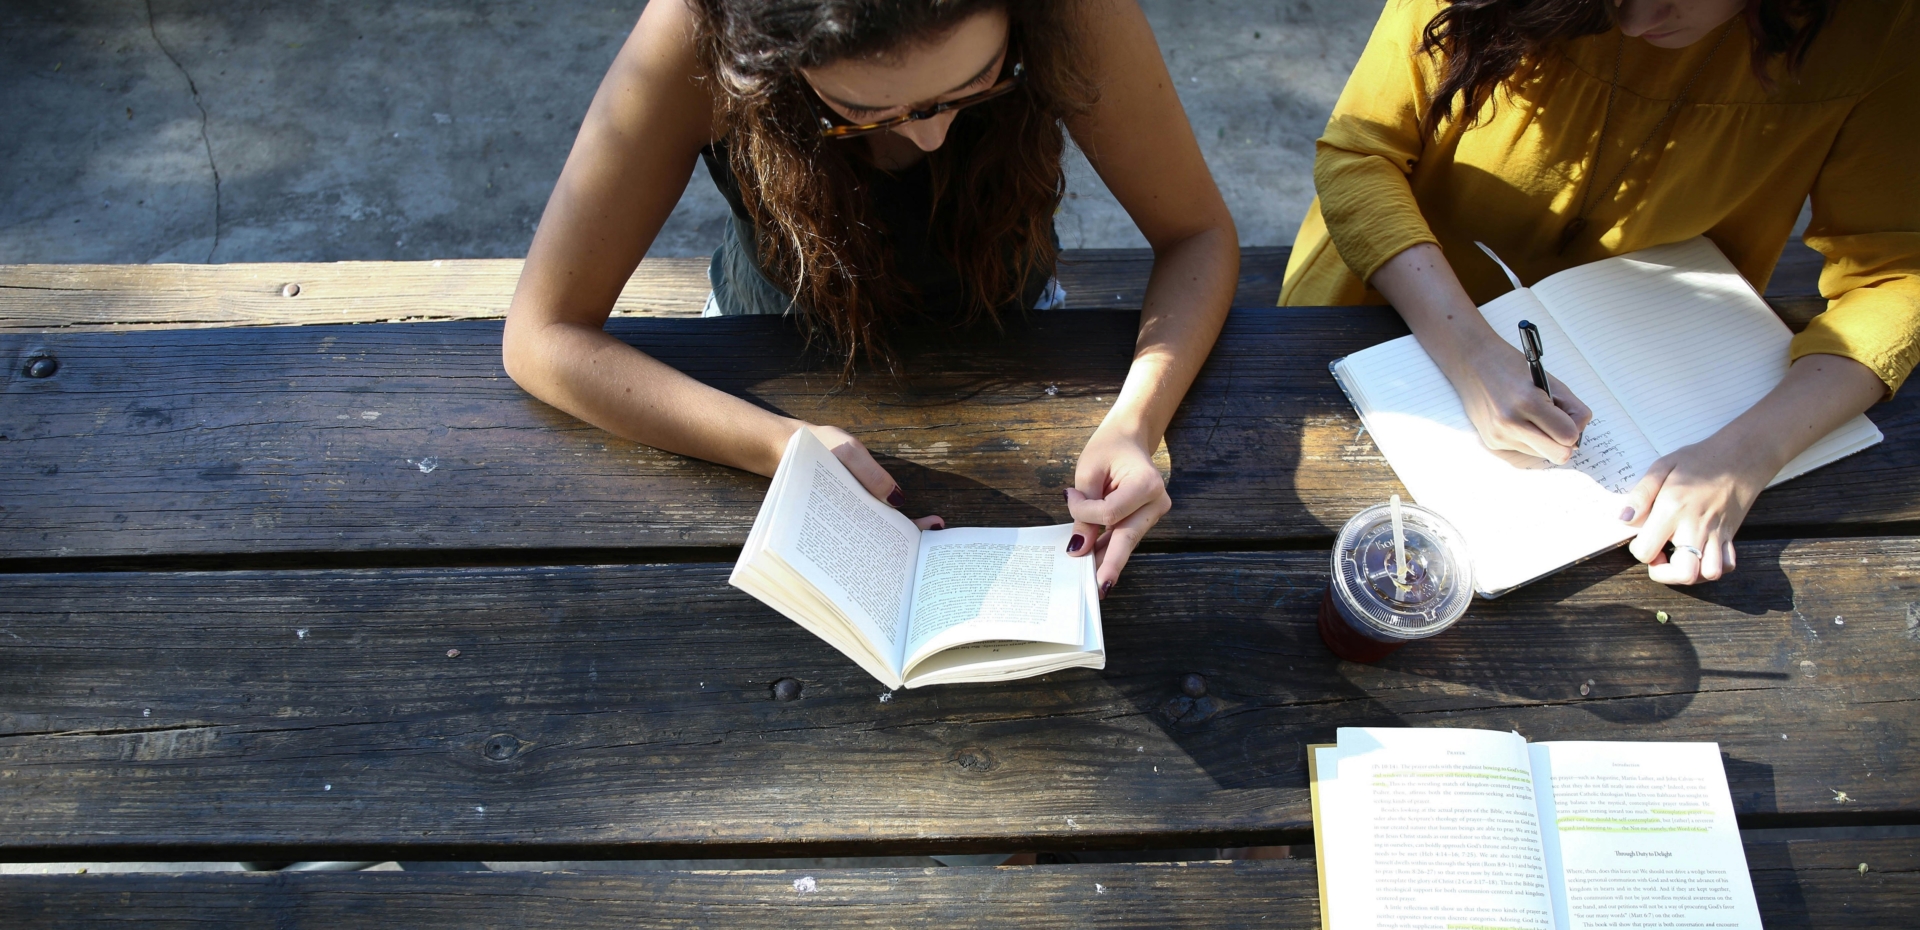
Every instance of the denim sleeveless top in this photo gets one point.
(903, 204)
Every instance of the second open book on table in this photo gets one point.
(1454, 829)
(916, 607)
(1666, 345)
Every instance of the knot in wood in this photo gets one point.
(42, 366)
(501, 746)
(1193, 686)
(974, 759)
(786, 689)
(290, 290)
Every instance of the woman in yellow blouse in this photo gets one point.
(1561, 132)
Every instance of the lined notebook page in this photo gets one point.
(1683, 342)
(1521, 517)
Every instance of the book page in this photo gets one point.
(1642, 835)
(1430, 828)
(1681, 339)
(1522, 517)
(976, 584)
(857, 552)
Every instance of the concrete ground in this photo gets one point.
(228, 131)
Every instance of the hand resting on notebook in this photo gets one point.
(1700, 493)
(1693, 498)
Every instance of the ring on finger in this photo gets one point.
(1683, 547)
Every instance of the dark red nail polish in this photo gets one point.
(1105, 586)
(940, 524)
(1074, 544)
(897, 499)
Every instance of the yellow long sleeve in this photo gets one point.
(1735, 165)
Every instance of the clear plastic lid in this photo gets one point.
(1439, 579)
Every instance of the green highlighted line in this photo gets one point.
(1453, 774)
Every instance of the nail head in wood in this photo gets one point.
(290, 290)
(1193, 686)
(786, 689)
(42, 366)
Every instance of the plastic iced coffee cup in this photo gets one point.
(1371, 609)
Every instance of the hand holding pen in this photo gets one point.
(1531, 346)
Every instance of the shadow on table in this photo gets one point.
(962, 501)
(1756, 587)
(1613, 661)
(1269, 686)
(1776, 886)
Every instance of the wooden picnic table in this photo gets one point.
(342, 591)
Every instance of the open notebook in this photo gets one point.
(1666, 345)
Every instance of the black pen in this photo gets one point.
(1530, 344)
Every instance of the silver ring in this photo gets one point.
(1696, 552)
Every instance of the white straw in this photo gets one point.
(1399, 543)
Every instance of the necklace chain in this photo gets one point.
(1578, 224)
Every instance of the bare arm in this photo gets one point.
(629, 165)
(1138, 138)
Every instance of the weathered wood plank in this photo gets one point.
(38, 298)
(410, 436)
(45, 298)
(1804, 884)
(626, 711)
(53, 297)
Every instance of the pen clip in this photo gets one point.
(1530, 341)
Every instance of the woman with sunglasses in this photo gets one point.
(1561, 132)
(885, 160)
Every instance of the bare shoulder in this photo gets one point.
(1114, 36)
(657, 79)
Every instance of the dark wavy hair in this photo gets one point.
(1481, 44)
(996, 181)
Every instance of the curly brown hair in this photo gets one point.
(1482, 44)
(996, 181)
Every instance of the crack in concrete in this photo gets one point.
(204, 139)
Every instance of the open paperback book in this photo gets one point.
(916, 607)
(1437, 828)
(1666, 345)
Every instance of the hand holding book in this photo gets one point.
(860, 464)
(913, 605)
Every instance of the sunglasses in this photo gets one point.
(1003, 87)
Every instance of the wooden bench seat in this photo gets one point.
(36, 298)
(628, 710)
(1803, 884)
